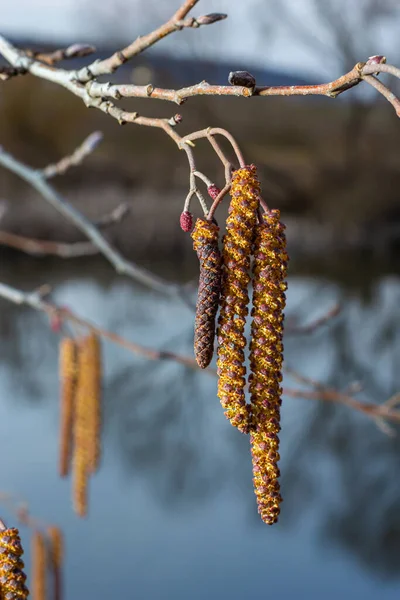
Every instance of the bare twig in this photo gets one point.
(74, 159)
(211, 131)
(370, 69)
(176, 23)
(114, 216)
(121, 265)
(73, 51)
(317, 323)
(322, 392)
(37, 247)
(384, 90)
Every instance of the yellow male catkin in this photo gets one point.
(94, 377)
(82, 429)
(237, 245)
(39, 567)
(56, 556)
(68, 374)
(87, 422)
(205, 243)
(266, 356)
(12, 576)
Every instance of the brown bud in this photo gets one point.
(211, 18)
(243, 78)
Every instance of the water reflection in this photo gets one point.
(175, 484)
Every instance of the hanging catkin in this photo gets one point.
(81, 430)
(87, 421)
(93, 357)
(205, 243)
(68, 374)
(12, 576)
(56, 555)
(39, 567)
(237, 246)
(266, 355)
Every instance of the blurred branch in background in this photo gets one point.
(38, 180)
(380, 413)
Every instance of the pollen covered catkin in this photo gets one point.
(56, 556)
(39, 567)
(93, 390)
(12, 576)
(205, 243)
(68, 374)
(237, 247)
(266, 356)
(81, 430)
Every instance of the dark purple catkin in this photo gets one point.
(205, 243)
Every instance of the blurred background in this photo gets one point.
(172, 511)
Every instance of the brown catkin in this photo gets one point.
(237, 246)
(39, 567)
(266, 356)
(12, 576)
(56, 556)
(68, 375)
(205, 243)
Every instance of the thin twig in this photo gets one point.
(121, 265)
(324, 392)
(114, 216)
(381, 68)
(218, 201)
(176, 23)
(74, 159)
(37, 247)
(384, 90)
(73, 51)
(316, 324)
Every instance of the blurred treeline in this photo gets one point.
(330, 166)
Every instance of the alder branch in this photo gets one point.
(82, 82)
(123, 266)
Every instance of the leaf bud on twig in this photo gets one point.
(211, 18)
(243, 78)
